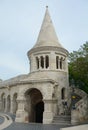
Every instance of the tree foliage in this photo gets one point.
(78, 67)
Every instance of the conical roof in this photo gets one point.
(47, 35)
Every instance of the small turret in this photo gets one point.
(47, 35)
(47, 53)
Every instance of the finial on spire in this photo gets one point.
(47, 7)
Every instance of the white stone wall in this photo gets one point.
(52, 61)
(46, 90)
(82, 107)
(8, 92)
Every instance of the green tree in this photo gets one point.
(78, 67)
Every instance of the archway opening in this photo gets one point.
(8, 103)
(15, 103)
(3, 100)
(34, 105)
(39, 109)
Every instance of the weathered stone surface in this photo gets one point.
(46, 84)
(81, 127)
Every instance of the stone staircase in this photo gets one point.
(62, 119)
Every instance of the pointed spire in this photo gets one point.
(47, 35)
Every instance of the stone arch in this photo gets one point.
(8, 103)
(34, 105)
(23, 91)
(3, 102)
(15, 103)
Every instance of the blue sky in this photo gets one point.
(20, 22)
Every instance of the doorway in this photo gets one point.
(39, 109)
(34, 105)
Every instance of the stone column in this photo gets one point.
(21, 114)
(39, 62)
(5, 109)
(48, 113)
(11, 106)
(0, 105)
(52, 61)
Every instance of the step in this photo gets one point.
(62, 119)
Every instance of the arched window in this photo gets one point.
(63, 93)
(57, 58)
(8, 103)
(42, 61)
(15, 103)
(47, 61)
(37, 62)
(61, 63)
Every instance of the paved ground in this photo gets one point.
(30, 126)
(5, 121)
(9, 114)
(24, 126)
(1, 119)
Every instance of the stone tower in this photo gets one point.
(48, 61)
(42, 94)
